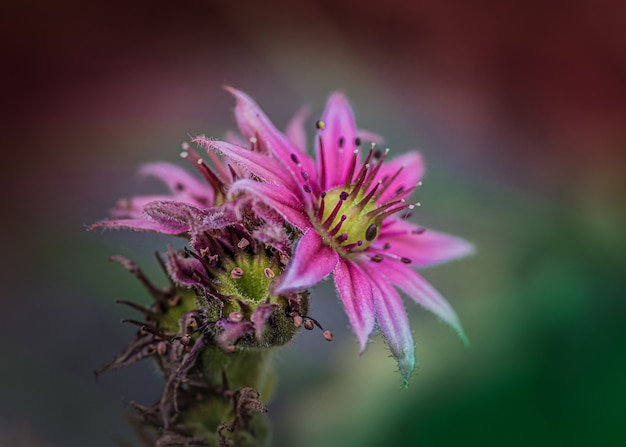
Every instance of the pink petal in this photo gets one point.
(356, 293)
(423, 248)
(180, 182)
(253, 123)
(339, 124)
(311, 262)
(369, 136)
(407, 279)
(276, 197)
(259, 164)
(133, 207)
(137, 224)
(295, 128)
(392, 320)
(411, 167)
(177, 216)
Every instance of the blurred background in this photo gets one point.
(519, 110)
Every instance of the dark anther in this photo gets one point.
(341, 141)
(405, 260)
(357, 141)
(305, 175)
(344, 195)
(179, 187)
(371, 232)
(377, 258)
(306, 188)
(377, 154)
(387, 246)
(294, 158)
(419, 230)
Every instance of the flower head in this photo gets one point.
(351, 207)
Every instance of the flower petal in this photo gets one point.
(295, 131)
(411, 171)
(393, 321)
(177, 216)
(138, 225)
(339, 125)
(276, 197)
(185, 186)
(261, 165)
(407, 279)
(133, 208)
(423, 247)
(355, 291)
(311, 262)
(253, 123)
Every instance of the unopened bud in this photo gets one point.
(308, 324)
(328, 335)
(297, 321)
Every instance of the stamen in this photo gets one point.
(204, 169)
(373, 172)
(342, 197)
(378, 211)
(320, 212)
(269, 273)
(351, 246)
(308, 324)
(341, 142)
(320, 125)
(389, 181)
(295, 159)
(243, 243)
(368, 197)
(357, 141)
(344, 237)
(306, 188)
(362, 174)
(377, 258)
(348, 181)
(322, 162)
(236, 273)
(327, 335)
(338, 226)
(418, 231)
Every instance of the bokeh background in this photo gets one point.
(519, 109)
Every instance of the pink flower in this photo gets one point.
(347, 210)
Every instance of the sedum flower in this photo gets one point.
(351, 208)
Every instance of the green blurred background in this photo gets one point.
(519, 109)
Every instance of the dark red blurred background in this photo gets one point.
(524, 100)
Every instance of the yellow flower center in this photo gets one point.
(348, 219)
